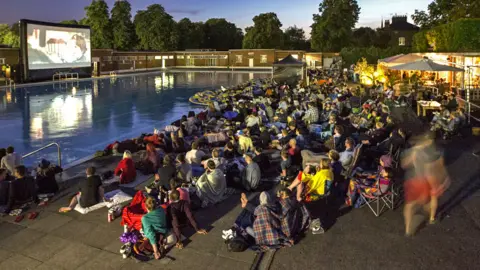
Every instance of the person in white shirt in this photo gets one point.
(194, 156)
(11, 160)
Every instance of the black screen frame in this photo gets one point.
(46, 74)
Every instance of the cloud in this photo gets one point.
(191, 12)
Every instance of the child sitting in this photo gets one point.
(311, 187)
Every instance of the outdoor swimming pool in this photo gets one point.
(86, 116)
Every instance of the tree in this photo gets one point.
(156, 29)
(382, 39)
(124, 37)
(73, 22)
(265, 33)
(364, 37)
(191, 35)
(446, 11)
(9, 35)
(332, 27)
(294, 39)
(98, 20)
(222, 35)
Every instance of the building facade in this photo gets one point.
(400, 31)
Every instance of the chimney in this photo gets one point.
(387, 23)
(399, 19)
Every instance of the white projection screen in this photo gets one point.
(56, 47)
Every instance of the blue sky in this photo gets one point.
(240, 12)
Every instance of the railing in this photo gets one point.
(10, 83)
(45, 147)
(65, 76)
(468, 109)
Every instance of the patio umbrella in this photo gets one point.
(426, 65)
(399, 59)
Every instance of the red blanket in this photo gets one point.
(132, 214)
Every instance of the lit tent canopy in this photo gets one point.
(288, 70)
(425, 65)
(399, 59)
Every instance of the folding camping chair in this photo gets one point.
(357, 152)
(379, 202)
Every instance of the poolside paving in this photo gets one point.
(356, 240)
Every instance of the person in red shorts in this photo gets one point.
(429, 182)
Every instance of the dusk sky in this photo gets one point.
(239, 12)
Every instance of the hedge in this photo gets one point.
(459, 36)
(352, 55)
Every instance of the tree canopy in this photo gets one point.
(446, 11)
(294, 39)
(156, 29)
(222, 35)
(191, 34)
(364, 37)
(124, 37)
(332, 27)
(97, 17)
(265, 33)
(9, 35)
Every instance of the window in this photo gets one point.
(170, 57)
(190, 62)
(263, 59)
(158, 57)
(295, 56)
(211, 62)
(238, 59)
(142, 58)
(105, 58)
(2, 61)
(164, 57)
(401, 41)
(132, 58)
(180, 57)
(151, 57)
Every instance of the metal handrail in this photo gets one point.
(45, 147)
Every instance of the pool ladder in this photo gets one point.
(64, 76)
(45, 147)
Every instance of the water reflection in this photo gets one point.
(85, 117)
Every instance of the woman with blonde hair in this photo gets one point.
(126, 169)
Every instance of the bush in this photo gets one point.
(458, 36)
(352, 55)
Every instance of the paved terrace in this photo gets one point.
(356, 240)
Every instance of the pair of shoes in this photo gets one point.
(318, 230)
(126, 250)
(228, 234)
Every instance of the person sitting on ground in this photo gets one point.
(4, 186)
(126, 171)
(261, 159)
(376, 136)
(178, 144)
(194, 156)
(253, 120)
(245, 144)
(229, 151)
(180, 215)
(161, 184)
(300, 138)
(252, 174)
(267, 225)
(155, 228)
(346, 157)
(45, 178)
(22, 189)
(294, 152)
(311, 187)
(312, 115)
(184, 169)
(178, 185)
(211, 186)
(296, 218)
(91, 192)
(220, 162)
(151, 158)
(335, 163)
(155, 139)
(11, 160)
(265, 138)
(285, 164)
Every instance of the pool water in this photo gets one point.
(84, 117)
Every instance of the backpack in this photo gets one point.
(237, 244)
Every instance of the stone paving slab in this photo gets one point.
(19, 262)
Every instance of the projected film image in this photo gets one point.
(52, 47)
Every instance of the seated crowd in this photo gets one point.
(18, 187)
(302, 137)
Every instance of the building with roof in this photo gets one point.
(400, 30)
